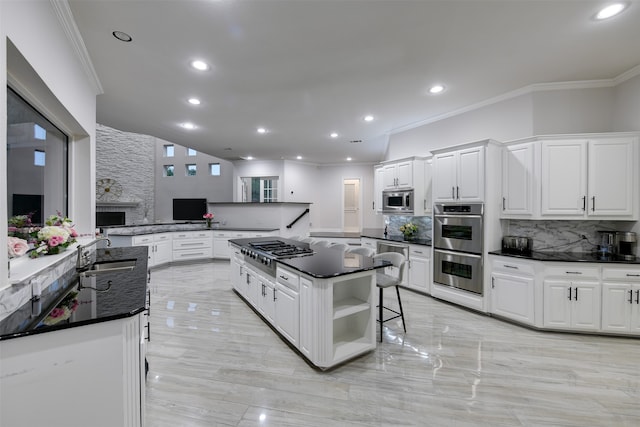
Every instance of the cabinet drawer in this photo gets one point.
(419, 251)
(161, 237)
(568, 271)
(191, 234)
(197, 253)
(288, 278)
(512, 267)
(621, 274)
(222, 234)
(191, 243)
(142, 240)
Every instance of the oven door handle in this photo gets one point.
(458, 216)
(463, 254)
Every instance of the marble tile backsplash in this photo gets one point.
(424, 223)
(562, 236)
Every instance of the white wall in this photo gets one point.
(626, 106)
(50, 75)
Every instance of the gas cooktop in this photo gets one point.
(280, 249)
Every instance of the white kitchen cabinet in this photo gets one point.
(378, 188)
(159, 245)
(572, 298)
(621, 300)
(221, 240)
(266, 303)
(287, 306)
(588, 178)
(398, 175)
(518, 179)
(512, 289)
(419, 268)
(238, 272)
(192, 245)
(252, 287)
(428, 186)
(307, 316)
(458, 176)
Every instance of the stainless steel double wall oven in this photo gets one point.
(457, 242)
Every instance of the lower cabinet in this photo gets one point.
(621, 300)
(287, 306)
(419, 268)
(159, 245)
(267, 299)
(192, 245)
(512, 291)
(574, 304)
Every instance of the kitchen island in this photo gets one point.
(321, 302)
(74, 353)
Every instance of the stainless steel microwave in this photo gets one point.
(397, 201)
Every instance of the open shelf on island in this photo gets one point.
(349, 306)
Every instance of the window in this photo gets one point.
(167, 170)
(39, 158)
(214, 169)
(260, 189)
(168, 150)
(190, 170)
(36, 184)
(191, 152)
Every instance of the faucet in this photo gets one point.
(83, 260)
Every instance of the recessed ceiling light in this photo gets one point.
(188, 125)
(333, 135)
(122, 36)
(299, 157)
(261, 130)
(610, 10)
(368, 118)
(194, 101)
(249, 158)
(348, 159)
(436, 89)
(200, 65)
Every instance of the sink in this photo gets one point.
(109, 267)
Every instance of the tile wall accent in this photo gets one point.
(129, 159)
(562, 236)
(394, 222)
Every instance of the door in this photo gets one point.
(351, 203)
(405, 174)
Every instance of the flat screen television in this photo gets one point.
(189, 209)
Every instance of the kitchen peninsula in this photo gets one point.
(321, 301)
(77, 332)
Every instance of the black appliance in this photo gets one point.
(189, 209)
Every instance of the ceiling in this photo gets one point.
(305, 68)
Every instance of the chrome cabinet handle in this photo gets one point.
(284, 277)
(575, 298)
(637, 296)
(630, 296)
(510, 266)
(457, 192)
(569, 293)
(573, 272)
(633, 275)
(504, 201)
(584, 203)
(274, 294)
(593, 204)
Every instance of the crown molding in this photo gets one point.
(536, 87)
(68, 23)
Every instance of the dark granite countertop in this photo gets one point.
(378, 233)
(142, 229)
(568, 257)
(125, 297)
(325, 262)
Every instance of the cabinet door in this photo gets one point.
(428, 186)
(377, 191)
(389, 176)
(616, 309)
(419, 273)
(635, 310)
(287, 313)
(266, 301)
(221, 247)
(444, 177)
(404, 174)
(564, 178)
(517, 180)
(163, 252)
(587, 305)
(236, 275)
(513, 297)
(470, 186)
(307, 317)
(557, 304)
(611, 177)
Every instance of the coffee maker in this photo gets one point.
(626, 242)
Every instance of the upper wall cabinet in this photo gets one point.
(458, 176)
(591, 178)
(398, 175)
(378, 174)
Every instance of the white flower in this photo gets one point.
(53, 230)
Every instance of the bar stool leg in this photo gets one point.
(380, 313)
(401, 312)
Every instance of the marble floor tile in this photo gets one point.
(213, 362)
